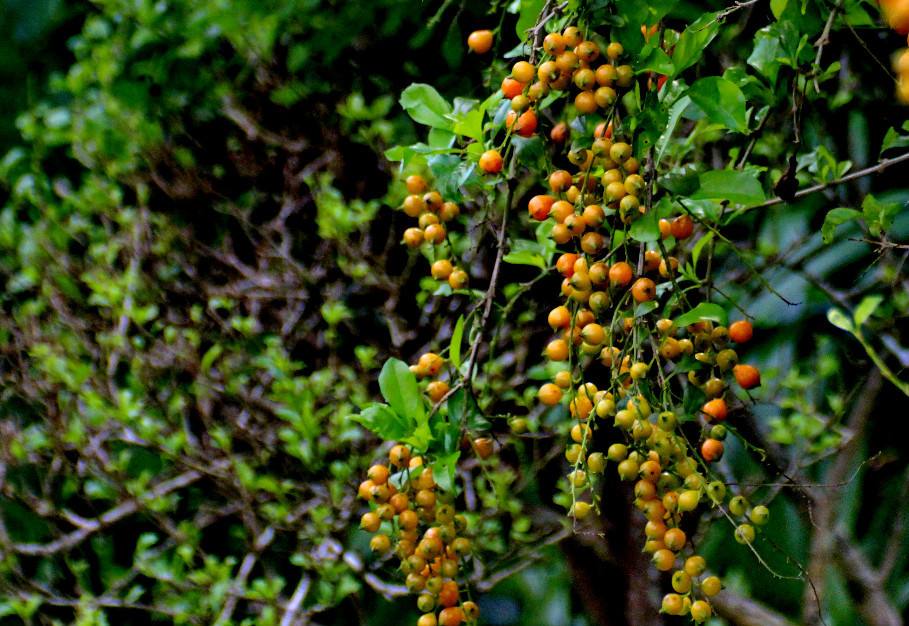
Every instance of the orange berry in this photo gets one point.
(560, 317)
(491, 162)
(712, 450)
(511, 88)
(715, 410)
(643, 290)
(747, 376)
(741, 331)
(620, 274)
(550, 394)
(682, 227)
(480, 41)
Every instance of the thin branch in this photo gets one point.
(807, 191)
(740, 610)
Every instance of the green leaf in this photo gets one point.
(645, 307)
(399, 388)
(732, 185)
(675, 114)
(699, 246)
(834, 218)
(463, 409)
(454, 349)
(767, 52)
(878, 215)
(385, 422)
(653, 59)
(692, 43)
(528, 11)
(444, 470)
(525, 257)
(866, 308)
(703, 311)
(646, 228)
(721, 101)
(840, 320)
(894, 140)
(424, 104)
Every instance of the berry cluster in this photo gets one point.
(408, 509)
(432, 213)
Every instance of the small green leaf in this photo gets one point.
(525, 257)
(840, 320)
(399, 388)
(424, 104)
(383, 421)
(878, 215)
(834, 218)
(732, 185)
(866, 308)
(653, 59)
(704, 311)
(645, 307)
(444, 470)
(699, 247)
(694, 41)
(454, 349)
(646, 228)
(721, 101)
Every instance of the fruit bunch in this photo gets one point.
(411, 518)
(897, 14)
(618, 355)
(432, 213)
(615, 358)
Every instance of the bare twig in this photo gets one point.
(877, 168)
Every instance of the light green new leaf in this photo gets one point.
(866, 308)
(385, 422)
(840, 320)
(454, 349)
(424, 104)
(399, 388)
(721, 101)
(703, 311)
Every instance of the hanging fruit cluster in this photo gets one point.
(432, 213)
(411, 518)
(897, 14)
(621, 361)
(617, 356)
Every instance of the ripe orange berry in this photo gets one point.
(523, 72)
(413, 237)
(557, 350)
(663, 559)
(559, 181)
(434, 233)
(741, 331)
(561, 210)
(480, 41)
(452, 616)
(539, 207)
(458, 278)
(665, 228)
(416, 184)
(560, 317)
(428, 619)
(399, 455)
(448, 596)
(436, 390)
(565, 264)
(747, 376)
(553, 44)
(511, 88)
(715, 410)
(559, 133)
(441, 269)
(484, 447)
(585, 102)
(712, 450)
(524, 125)
(682, 227)
(643, 290)
(550, 394)
(491, 162)
(380, 544)
(675, 539)
(620, 274)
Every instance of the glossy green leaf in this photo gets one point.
(704, 311)
(866, 308)
(840, 320)
(721, 101)
(694, 41)
(399, 388)
(834, 218)
(738, 187)
(454, 349)
(424, 104)
(384, 421)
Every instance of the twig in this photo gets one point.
(807, 191)
(823, 40)
(740, 610)
(108, 518)
(296, 601)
